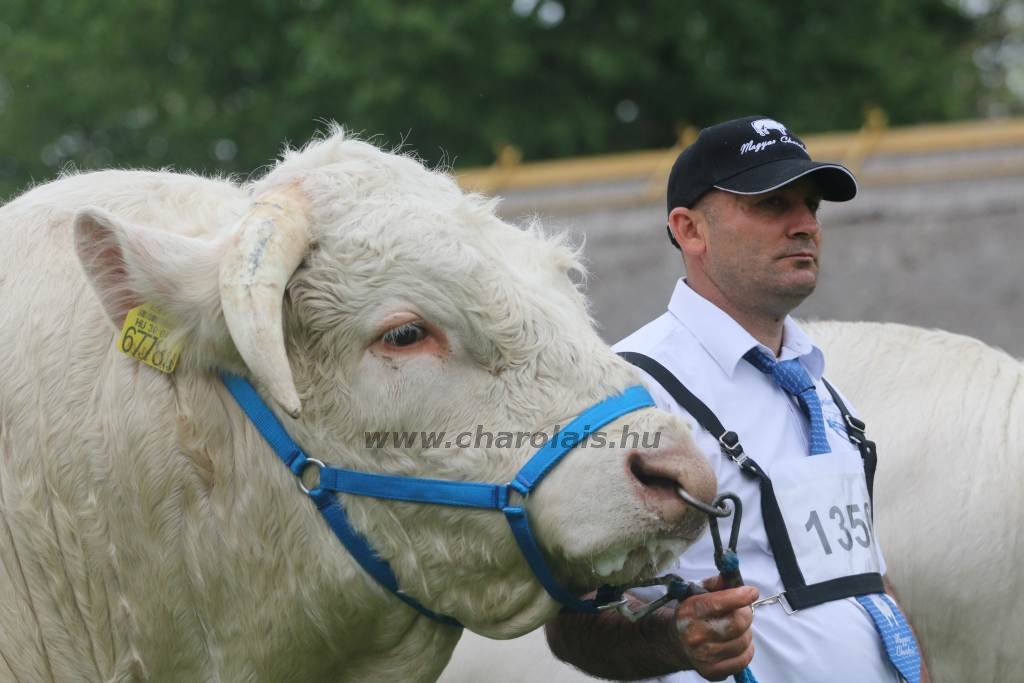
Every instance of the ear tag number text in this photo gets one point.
(143, 337)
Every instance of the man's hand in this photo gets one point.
(714, 629)
(709, 633)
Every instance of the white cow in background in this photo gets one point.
(947, 412)
(147, 532)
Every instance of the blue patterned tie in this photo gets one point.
(791, 377)
(896, 635)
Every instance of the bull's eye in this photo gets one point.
(404, 335)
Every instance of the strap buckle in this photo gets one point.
(730, 443)
(855, 428)
(777, 598)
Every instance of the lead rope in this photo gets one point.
(726, 560)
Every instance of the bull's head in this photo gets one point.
(364, 295)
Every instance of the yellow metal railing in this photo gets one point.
(875, 140)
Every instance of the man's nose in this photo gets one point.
(804, 222)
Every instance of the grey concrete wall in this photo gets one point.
(948, 255)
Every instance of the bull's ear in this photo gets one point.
(99, 244)
(129, 264)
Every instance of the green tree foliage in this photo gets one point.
(217, 86)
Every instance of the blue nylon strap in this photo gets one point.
(360, 549)
(537, 467)
(330, 507)
(263, 419)
(520, 525)
(745, 676)
(588, 422)
(434, 491)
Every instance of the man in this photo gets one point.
(742, 203)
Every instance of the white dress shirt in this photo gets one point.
(703, 347)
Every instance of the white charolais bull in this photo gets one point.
(947, 412)
(147, 532)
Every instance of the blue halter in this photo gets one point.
(436, 491)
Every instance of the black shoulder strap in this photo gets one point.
(775, 525)
(680, 393)
(798, 593)
(856, 433)
(729, 441)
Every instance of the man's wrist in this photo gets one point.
(610, 646)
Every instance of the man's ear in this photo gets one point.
(689, 228)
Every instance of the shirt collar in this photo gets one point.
(726, 341)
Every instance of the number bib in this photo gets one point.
(825, 504)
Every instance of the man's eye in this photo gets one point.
(404, 335)
(776, 202)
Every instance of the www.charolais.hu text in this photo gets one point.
(481, 438)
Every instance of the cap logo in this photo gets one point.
(751, 146)
(762, 126)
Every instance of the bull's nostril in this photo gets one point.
(659, 476)
(651, 480)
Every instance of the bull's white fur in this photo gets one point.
(146, 531)
(948, 414)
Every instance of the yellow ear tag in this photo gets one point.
(142, 337)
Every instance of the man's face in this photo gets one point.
(762, 250)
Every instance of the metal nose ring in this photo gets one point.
(718, 509)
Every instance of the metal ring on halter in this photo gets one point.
(309, 461)
(716, 509)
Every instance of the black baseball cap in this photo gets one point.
(751, 155)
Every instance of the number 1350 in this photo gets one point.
(852, 526)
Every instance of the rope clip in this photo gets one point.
(676, 589)
(726, 561)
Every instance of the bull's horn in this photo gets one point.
(271, 241)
